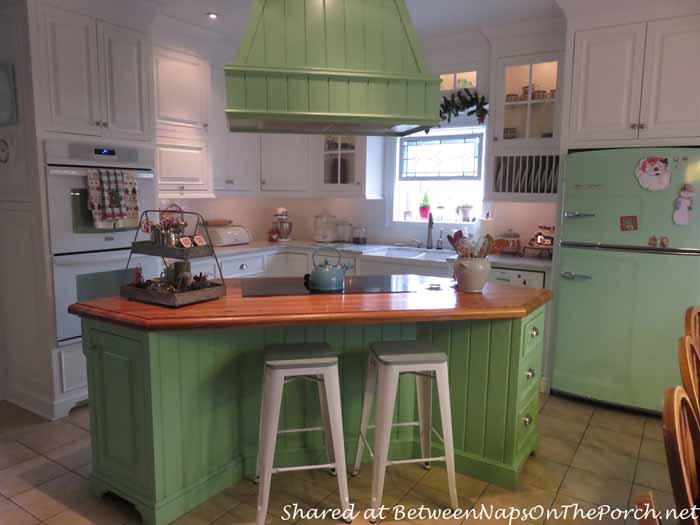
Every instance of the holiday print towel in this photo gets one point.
(113, 199)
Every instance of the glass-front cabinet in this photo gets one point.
(340, 158)
(526, 101)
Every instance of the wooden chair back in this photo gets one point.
(689, 362)
(645, 502)
(692, 323)
(682, 437)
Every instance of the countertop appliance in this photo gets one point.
(228, 235)
(628, 269)
(325, 229)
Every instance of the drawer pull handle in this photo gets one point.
(577, 215)
(530, 373)
(243, 266)
(534, 332)
(527, 420)
(571, 276)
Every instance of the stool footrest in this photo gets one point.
(418, 460)
(297, 430)
(303, 467)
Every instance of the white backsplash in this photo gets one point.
(256, 214)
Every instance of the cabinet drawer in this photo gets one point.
(533, 334)
(529, 374)
(243, 267)
(526, 424)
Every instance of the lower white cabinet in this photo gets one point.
(182, 167)
(287, 264)
(525, 278)
(73, 368)
(243, 266)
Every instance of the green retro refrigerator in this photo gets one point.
(629, 266)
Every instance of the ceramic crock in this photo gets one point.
(471, 274)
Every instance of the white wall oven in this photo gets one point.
(90, 243)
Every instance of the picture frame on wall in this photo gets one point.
(8, 95)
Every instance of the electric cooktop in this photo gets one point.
(271, 286)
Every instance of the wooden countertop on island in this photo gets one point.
(495, 302)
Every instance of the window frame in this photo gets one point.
(480, 157)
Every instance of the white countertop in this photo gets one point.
(379, 250)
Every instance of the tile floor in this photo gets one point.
(587, 455)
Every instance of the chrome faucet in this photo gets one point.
(429, 241)
(438, 244)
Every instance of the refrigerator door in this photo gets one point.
(619, 318)
(601, 189)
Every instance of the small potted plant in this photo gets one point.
(424, 208)
(464, 211)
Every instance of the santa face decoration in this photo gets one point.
(653, 173)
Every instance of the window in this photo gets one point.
(443, 167)
(452, 81)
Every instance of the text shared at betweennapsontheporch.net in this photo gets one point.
(506, 515)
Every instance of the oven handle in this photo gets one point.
(82, 172)
(92, 258)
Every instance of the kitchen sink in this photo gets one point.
(412, 253)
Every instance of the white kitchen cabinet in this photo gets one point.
(517, 277)
(126, 59)
(284, 163)
(636, 82)
(97, 77)
(527, 102)
(607, 83)
(239, 267)
(182, 167)
(671, 94)
(181, 85)
(241, 172)
(348, 166)
(71, 63)
(288, 264)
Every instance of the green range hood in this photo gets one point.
(331, 67)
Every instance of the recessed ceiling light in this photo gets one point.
(212, 16)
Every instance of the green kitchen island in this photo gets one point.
(175, 393)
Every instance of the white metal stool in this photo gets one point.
(285, 363)
(386, 361)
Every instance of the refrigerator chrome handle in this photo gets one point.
(588, 186)
(577, 214)
(571, 276)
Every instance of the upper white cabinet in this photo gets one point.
(182, 167)
(527, 102)
(636, 82)
(241, 171)
(98, 82)
(607, 83)
(126, 59)
(671, 87)
(182, 84)
(348, 166)
(284, 163)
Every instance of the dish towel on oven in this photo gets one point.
(113, 199)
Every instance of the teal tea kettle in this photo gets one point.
(327, 277)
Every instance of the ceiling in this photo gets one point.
(431, 17)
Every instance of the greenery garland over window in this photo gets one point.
(463, 101)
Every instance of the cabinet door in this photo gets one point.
(182, 167)
(70, 51)
(343, 160)
(671, 98)
(607, 80)
(242, 171)
(126, 57)
(285, 163)
(181, 94)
